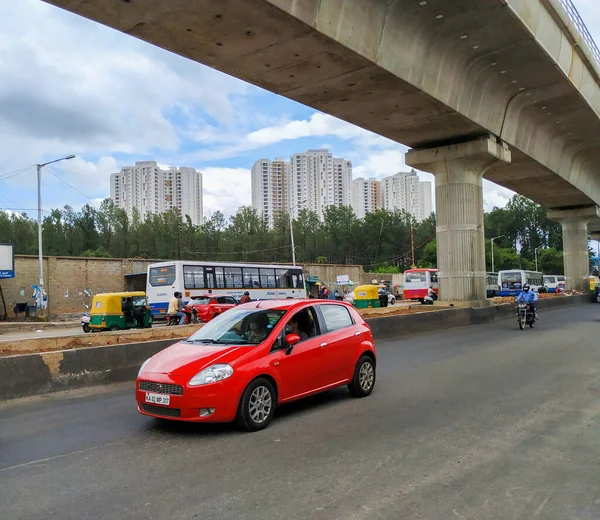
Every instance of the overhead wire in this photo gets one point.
(52, 172)
(15, 172)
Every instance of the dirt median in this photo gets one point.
(94, 339)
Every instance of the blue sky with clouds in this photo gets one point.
(70, 85)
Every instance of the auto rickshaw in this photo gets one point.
(595, 288)
(115, 311)
(367, 297)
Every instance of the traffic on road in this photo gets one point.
(473, 422)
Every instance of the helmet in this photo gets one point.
(526, 287)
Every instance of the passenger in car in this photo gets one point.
(294, 325)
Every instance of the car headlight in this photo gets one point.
(211, 374)
(143, 365)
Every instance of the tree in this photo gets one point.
(429, 257)
(550, 261)
(379, 241)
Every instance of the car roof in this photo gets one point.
(211, 295)
(290, 304)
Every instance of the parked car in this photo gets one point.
(210, 305)
(251, 359)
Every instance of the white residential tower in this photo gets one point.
(151, 189)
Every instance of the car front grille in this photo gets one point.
(161, 388)
(159, 410)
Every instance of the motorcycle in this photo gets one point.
(525, 316)
(85, 322)
(191, 317)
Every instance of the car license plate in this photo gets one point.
(165, 400)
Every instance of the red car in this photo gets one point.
(244, 363)
(211, 305)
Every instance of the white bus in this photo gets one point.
(263, 282)
(491, 285)
(511, 282)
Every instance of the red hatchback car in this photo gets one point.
(211, 305)
(245, 362)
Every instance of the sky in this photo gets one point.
(72, 86)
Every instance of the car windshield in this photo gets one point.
(199, 301)
(239, 327)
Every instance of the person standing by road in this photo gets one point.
(245, 298)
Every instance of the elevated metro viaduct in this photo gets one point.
(506, 89)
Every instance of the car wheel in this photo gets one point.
(363, 381)
(393, 302)
(257, 405)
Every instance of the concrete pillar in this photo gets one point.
(575, 243)
(458, 171)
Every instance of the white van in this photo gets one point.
(555, 283)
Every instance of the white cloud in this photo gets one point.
(495, 195)
(318, 125)
(225, 189)
(73, 86)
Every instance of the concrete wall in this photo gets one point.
(67, 280)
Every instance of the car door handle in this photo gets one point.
(357, 333)
(324, 344)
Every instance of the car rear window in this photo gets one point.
(336, 317)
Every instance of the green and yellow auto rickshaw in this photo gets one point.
(366, 297)
(120, 311)
(595, 288)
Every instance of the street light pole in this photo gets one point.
(292, 231)
(39, 208)
(495, 238)
(536, 262)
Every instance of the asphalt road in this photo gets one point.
(484, 422)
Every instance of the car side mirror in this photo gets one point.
(291, 340)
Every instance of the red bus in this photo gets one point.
(418, 281)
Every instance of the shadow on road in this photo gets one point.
(282, 414)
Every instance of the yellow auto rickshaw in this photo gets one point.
(120, 311)
(366, 297)
(595, 288)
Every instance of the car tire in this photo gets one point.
(364, 378)
(393, 302)
(257, 406)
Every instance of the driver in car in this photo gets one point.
(256, 334)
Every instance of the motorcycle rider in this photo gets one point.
(529, 297)
(176, 307)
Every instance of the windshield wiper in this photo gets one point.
(202, 340)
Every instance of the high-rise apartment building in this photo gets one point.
(426, 199)
(318, 180)
(404, 191)
(366, 196)
(151, 189)
(270, 188)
